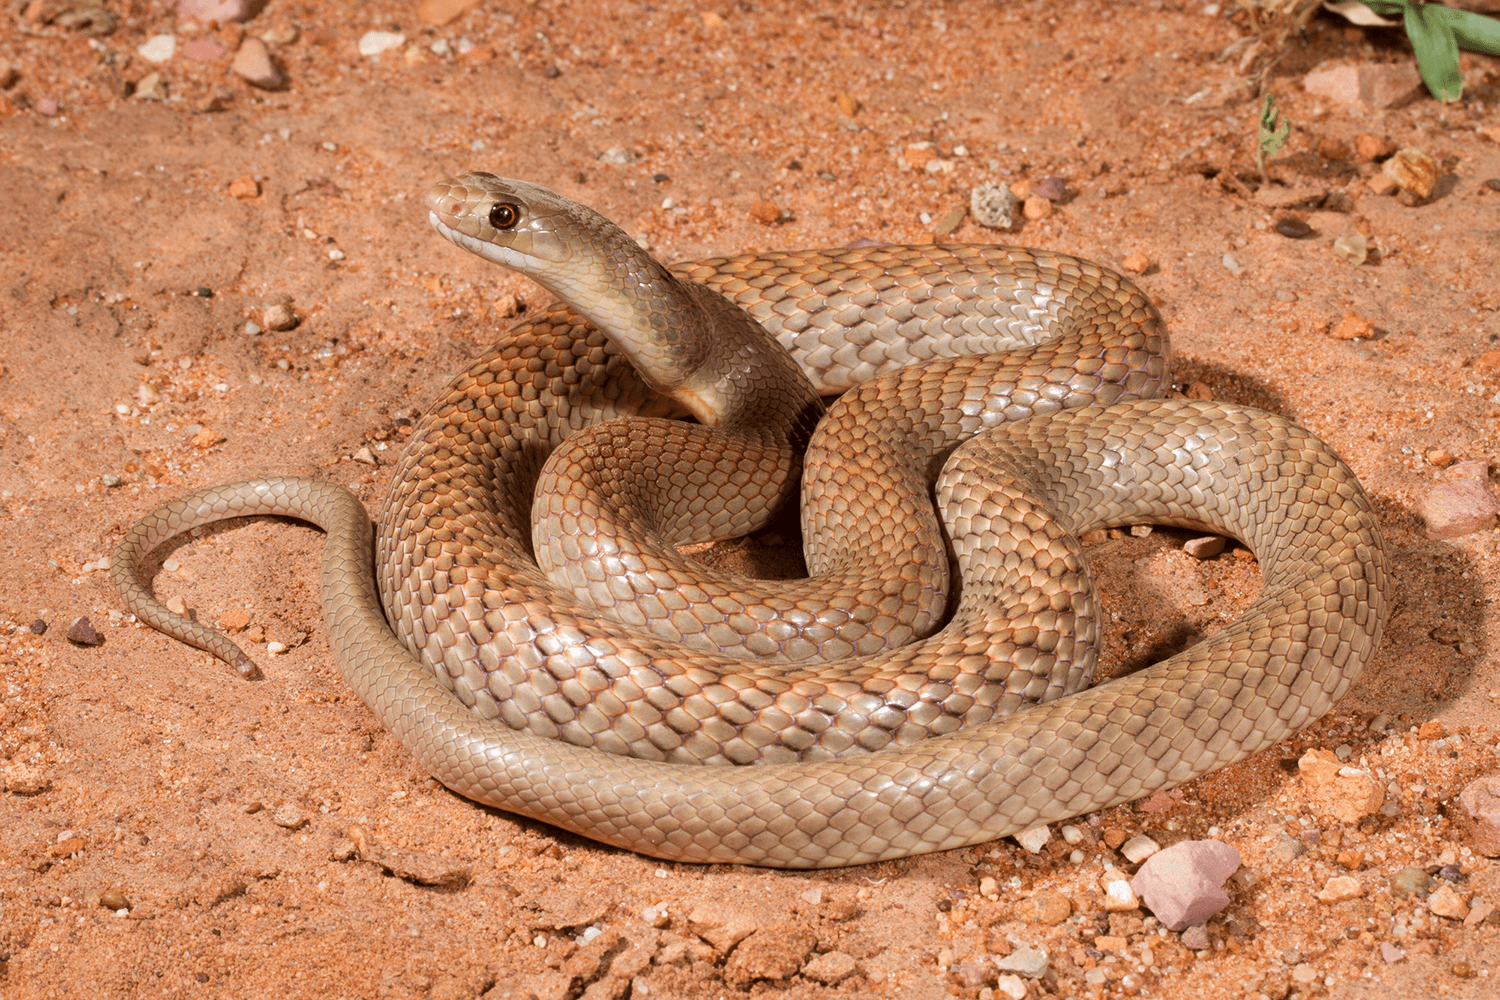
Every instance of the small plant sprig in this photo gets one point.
(1436, 32)
(1271, 134)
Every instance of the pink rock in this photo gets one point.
(1479, 805)
(253, 64)
(1182, 885)
(1457, 508)
(219, 11)
(205, 49)
(1374, 85)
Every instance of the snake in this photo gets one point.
(529, 618)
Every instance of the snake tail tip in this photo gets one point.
(247, 668)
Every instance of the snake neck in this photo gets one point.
(687, 342)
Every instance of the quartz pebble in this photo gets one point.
(1027, 960)
(1183, 885)
(1034, 839)
(1341, 888)
(158, 48)
(1119, 896)
(1446, 902)
(1355, 248)
(1139, 848)
(372, 43)
(1011, 986)
(279, 317)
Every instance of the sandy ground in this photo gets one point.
(168, 829)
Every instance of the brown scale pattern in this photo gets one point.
(507, 686)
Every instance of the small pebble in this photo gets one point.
(1136, 263)
(1352, 326)
(1354, 248)
(1293, 229)
(950, 221)
(1118, 896)
(1205, 547)
(114, 899)
(1195, 938)
(1034, 839)
(1036, 207)
(204, 48)
(1113, 837)
(275, 648)
(82, 633)
(616, 155)
(158, 48)
(1446, 902)
(1413, 170)
(993, 206)
(289, 817)
(1011, 986)
(1231, 265)
(1370, 148)
(38, 627)
(1050, 908)
(279, 317)
(830, 967)
(176, 605)
(1052, 188)
(1139, 848)
(1390, 954)
(372, 43)
(765, 212)
(1026, 960)
(1341, 888)
(366, 456)
(150, 88)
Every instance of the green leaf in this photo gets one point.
(1272, 136)
(1473, 31)
(1436, 45)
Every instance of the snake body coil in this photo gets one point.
(551, 653)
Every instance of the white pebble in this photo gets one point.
(1139, 848)
(1035, 838)
(1072, 834)
(372, 43)
(273, 648)
(158, 48)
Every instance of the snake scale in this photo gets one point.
(533, 635)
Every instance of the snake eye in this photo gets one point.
(504, 215)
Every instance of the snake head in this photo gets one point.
(511, 223)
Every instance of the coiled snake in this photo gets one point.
(585, 673)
